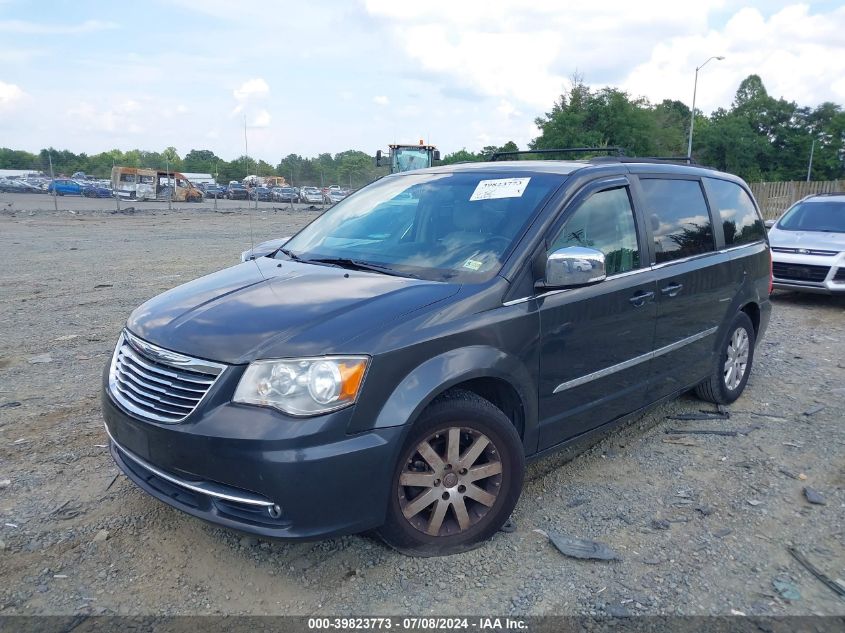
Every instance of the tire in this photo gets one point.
(469, 510)
(737, 345)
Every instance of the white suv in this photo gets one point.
(808, 245)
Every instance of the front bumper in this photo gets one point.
(231, 464)
(809, 273)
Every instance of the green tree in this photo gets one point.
(602, 118)
(202, 161)
(461, 156)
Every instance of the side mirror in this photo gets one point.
(574, 266)
(770, 223)
(378, 158)
(436, 155)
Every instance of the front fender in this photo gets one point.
(436, 375)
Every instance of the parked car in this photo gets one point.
(13, 185)
(214, 191)
(65, 187)
(334, 196)
(236, 191)
(808, 245)
(310, 195)
(261, 193)
(93, 190)
(285, 194)
(380, 373)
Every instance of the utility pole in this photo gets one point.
(810, 165)
(692, 114)
(246, 150)
(169, 185)
(53, 181)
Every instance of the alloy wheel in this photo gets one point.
(737, 358)
(450, 481)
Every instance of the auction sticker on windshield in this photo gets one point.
(499, 188)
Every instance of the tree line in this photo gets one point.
(350, 168)
(758, 137)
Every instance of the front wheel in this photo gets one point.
(458, 478)
(733, 364)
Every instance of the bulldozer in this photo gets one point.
(408, 157)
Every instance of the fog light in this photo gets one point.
(274, 511)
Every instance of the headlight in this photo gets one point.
(303, 386)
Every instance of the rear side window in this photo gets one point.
(739, 218)
(680, 221)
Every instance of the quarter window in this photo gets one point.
(740, 220)
(605, 222)
(680, 221)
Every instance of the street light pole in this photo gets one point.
(810, 164)
(692, 114)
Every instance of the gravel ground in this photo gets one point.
(702, 522)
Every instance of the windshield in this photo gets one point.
(447, 226)
(408, 159)
(828, 216)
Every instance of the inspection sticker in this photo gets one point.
(473, 264)
(500, 188)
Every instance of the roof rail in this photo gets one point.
(563, 150)
(686, 160)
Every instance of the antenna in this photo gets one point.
(251, 238)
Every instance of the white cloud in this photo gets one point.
(799, 56)
(38, 28)
(256, 87)
(250, 90)
(120, 118)
(381, 100)
(10, 94)
(525, 52)
(507, 109)
(261, 119)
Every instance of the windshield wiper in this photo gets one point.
(355, 264)
(290, 254)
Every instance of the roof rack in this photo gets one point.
(563, 150)
(686, 160)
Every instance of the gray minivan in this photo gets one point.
(394, 364)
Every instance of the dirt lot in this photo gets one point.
(702, 522)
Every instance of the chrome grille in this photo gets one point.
(803, 251)
(156, 384)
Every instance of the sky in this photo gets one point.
(316, 76)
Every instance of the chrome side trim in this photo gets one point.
(549, 293)
(657, 266)
(175, 359)
(728, 249)
(685, 341)
(601, 373)
(631, 362)
(203, 487)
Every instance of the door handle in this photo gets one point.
(639, 299)
(672, 289)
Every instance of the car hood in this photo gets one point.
(807, 239)
(271, 308)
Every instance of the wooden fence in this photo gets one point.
(775, 197)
